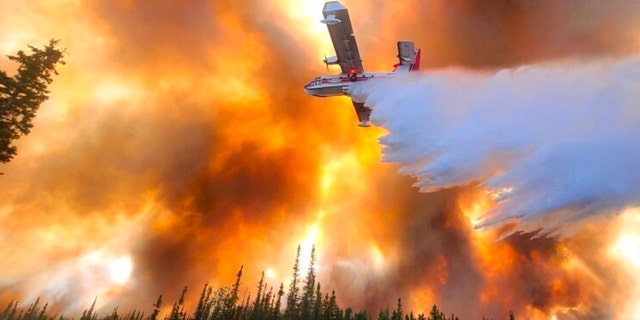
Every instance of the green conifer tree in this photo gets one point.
(229, 312)
(268, 304)
(397, 313)
(384, 314)
(435, 314)
(256, 310)
(177, 312)
(361, 315)
(308, 292)
(22, 94)
(89, 313)
(114, 314)
(276, 309)
(204, 304)
(219, 303)
(348, 314)
(291, 311)
(9, 312)
(331, 309)
(156, 309)
(317, 304)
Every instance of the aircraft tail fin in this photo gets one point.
(408, 56)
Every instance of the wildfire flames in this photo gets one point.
(178, 145)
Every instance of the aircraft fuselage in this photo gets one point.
(338, 85)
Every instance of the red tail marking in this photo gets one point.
(416, 65)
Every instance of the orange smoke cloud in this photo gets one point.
(178, 145)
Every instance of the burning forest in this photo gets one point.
(177, 145)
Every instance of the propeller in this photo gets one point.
(326, 63)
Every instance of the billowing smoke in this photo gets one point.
(178, 145)
(555, 144)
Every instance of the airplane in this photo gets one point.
(336, 17)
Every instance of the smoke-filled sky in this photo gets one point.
(178, 144)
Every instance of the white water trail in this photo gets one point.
(557, 144)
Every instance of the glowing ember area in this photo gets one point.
(178, 145)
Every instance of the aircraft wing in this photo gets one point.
(336, 17)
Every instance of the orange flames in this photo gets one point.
(178, 145)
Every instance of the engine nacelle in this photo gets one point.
(331, 60)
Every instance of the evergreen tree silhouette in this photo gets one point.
(88, 314)
(397, 313)
(203, 309)
(276, 309)
(156, 309)
(291, 311)
(308, 293)
(177, 312)
(22, 94)
(317, 304)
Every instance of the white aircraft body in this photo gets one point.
(336, 17)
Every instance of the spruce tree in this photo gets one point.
(219, 303)
(361, 315)
(10, 311)
(317, 304)
(348, 314)
(156, 309)
(331, 309)
(256, 311)
(276, 309)
(204, 304)
(397, 313)
(268, 304)
(308, 293)
(232, 299)
(177, 312)
(114, 315)
(435, 314)
(22, 94)
(88, 314)
(291, 311)
(384, 314)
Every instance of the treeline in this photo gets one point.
(304, 300)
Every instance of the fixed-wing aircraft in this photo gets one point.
(336, 17)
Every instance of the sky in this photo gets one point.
(178, 145)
